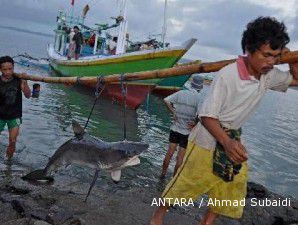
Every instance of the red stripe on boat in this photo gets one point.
(164, 92)
(136, 94)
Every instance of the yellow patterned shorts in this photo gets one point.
(195, 177)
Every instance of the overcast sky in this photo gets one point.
(217, 24)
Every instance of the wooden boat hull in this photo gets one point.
(125, 63)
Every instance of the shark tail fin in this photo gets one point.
(38, 175)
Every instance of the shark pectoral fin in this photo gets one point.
(116, 175)
(133, 162)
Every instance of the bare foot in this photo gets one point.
(10, 151)
(155, 222)
(209, 218)
(158, 215)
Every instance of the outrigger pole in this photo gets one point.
(290, 57)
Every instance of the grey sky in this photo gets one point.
(217, 24)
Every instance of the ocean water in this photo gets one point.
(270, 135)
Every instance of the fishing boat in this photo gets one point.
(96, 60)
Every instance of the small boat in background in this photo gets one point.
(95, 60)
(29, 61)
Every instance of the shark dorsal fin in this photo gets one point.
(77, 129)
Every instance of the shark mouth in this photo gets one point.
(133, 161)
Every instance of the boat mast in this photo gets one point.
(122, 29)
(164, 28)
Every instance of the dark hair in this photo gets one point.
(115, 39)
(76, 27)
(5, 59)
(36, 86)
(264, 30)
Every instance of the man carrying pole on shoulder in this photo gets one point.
(11, 89)
(216, 161)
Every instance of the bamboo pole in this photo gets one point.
(290, 57)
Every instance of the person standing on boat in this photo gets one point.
(184, 106)
(11, 89)
(112, 46)
(78, 39)
(216, 161)
(72, 45)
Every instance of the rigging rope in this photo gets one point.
(124, 93)
(98, 91)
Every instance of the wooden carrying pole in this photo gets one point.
(290, 57)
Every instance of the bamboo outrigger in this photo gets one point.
(290, 57)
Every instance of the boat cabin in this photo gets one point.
(96, 41)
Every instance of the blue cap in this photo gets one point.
(197, 82)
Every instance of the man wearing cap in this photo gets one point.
(184, 106)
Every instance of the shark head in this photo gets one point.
(135, 148)
(130, 151)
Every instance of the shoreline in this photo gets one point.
(62, 203)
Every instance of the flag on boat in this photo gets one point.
(85, 10)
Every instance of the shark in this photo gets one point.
(92, 152)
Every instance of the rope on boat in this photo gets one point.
(124, 93)
(98, 91)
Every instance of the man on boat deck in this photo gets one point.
(78, 39)
(216, 162)
(11, 89)
(184, 106)
(113, 46)
(71, 46)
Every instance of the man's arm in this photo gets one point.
(234, 149)
(209, 115)
(25, 88)
(293, 69)
(171, 108)
(192, 124)
(294, 72)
